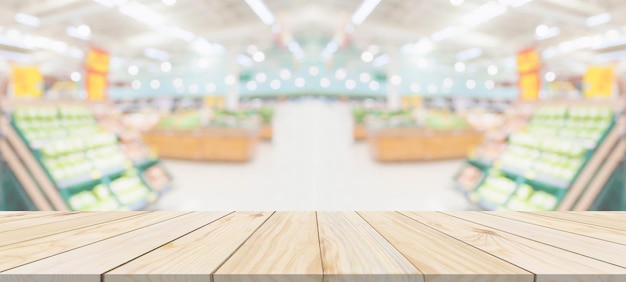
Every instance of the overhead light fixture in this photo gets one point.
(244, 60)
(181, 33)
(484, 13)
(141, 13)
(81, 32)
(285, 74)
(364, 10)
(598, 19)
(381, 60)
(156, 54)
(350, 84)
(324, 82)
(75, 76)
(258, 56)
(446, 33)
(459, 67)
(492, 70)
(367, 56)
(27, 20)
(261, 77)
(469, 54)
(374, 85)
(550, 76)
(456, 2)
(133, 70)
(299, 82)
(544, 32)
(314, 71)
(169, 2)
(261, 10)
(155, 84)
(341, 74)
(365, 77)
(275, 84)
(166, 67)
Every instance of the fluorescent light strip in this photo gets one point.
(552, 32)
(366, 8)
(141, 13)
(74, 32)
(261, 10)
(27, 19)
(181, 33)
(598, 19)
(156, 54)
(469, 54)
(446, 33)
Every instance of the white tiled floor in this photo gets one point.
(313, 164)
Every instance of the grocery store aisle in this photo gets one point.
(313, 164)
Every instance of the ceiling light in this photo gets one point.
(469, 54)
(155, 84)
(489, 84)
(341, 74)
(456, 2)
(470, 84)
(169, 2)
(598, 19)
(381, 60)
(350, 84)
(141, 13)
(75, 76)
(492, 70)
(612, 34)
(261, 77)
(275, 84)
(365, 77)
(285, 74)
(194, 88)
(166, 67)
(156, 54)
(251, 85)
(484, 13)
(448, 82)
(550, 76)
(181, 33)
(432, 88)
(299, 82)
(210, 87)
(446, 33)
(76, 33)
(136, 84)
(244, 60)
(415, 87)
(133, 70)
(178, 82)
(325, 82)
(261, 10)
(541, 30)
(396, 79)
(313, 71)
(366, 8)
(459, 67)
(374, 85)
(229, 79)
(258, 56)
(367, 56)
(84, 30)
(27, 19)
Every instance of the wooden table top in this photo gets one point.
(312, 246)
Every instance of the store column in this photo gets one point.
(393, 95)
(232, 86)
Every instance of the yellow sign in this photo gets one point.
(527, 61)
(96, 84)
(27, 82)
(529, 84)
(598, 82)
(97, 61)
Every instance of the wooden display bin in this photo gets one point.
(266, 132)
(417, 144)
(360, 132)
(207, 144)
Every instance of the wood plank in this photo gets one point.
(26, 252)
(88, 263)
(61, 224)
(603, 233)
(195, 256)
(28, 184)
(39, 220)
(285, 248)
(455, 260)
(548, 263)
(599, 249)
(353, 251)
(585, 218)
(613, 215)
(16, 216)
(600, 180)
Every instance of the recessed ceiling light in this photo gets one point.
(341, 74)
(285, 74)
(492, 70)
(133, 70)
(367, 56)
(75, 76)
(299, 82)
(459, 67)
(166, 66)
(325, 82)
(550, 76)
(258, 56)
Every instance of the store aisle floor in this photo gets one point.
(313, 164)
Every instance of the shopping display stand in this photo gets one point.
(37, 182)
(420, 144)
(204, 144)
(359, 132)
(266, 132)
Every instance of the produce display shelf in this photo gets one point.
(92, 177)
(333, 246)
(145, 162)
(531, 176)
(140, 205)
(480, 162)
(486, 205)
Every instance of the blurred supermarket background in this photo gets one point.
(312, 105)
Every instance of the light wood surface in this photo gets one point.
(313, 246)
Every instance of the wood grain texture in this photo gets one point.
(88, 263)
(586, 218)
(285, 248)
(353, 251)
(39, 218)
(599, 249)
(548, 263)
(195, 256)
(17, 216)
(18, 254)
(603, 233)
(454, 260)
(54, 224)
